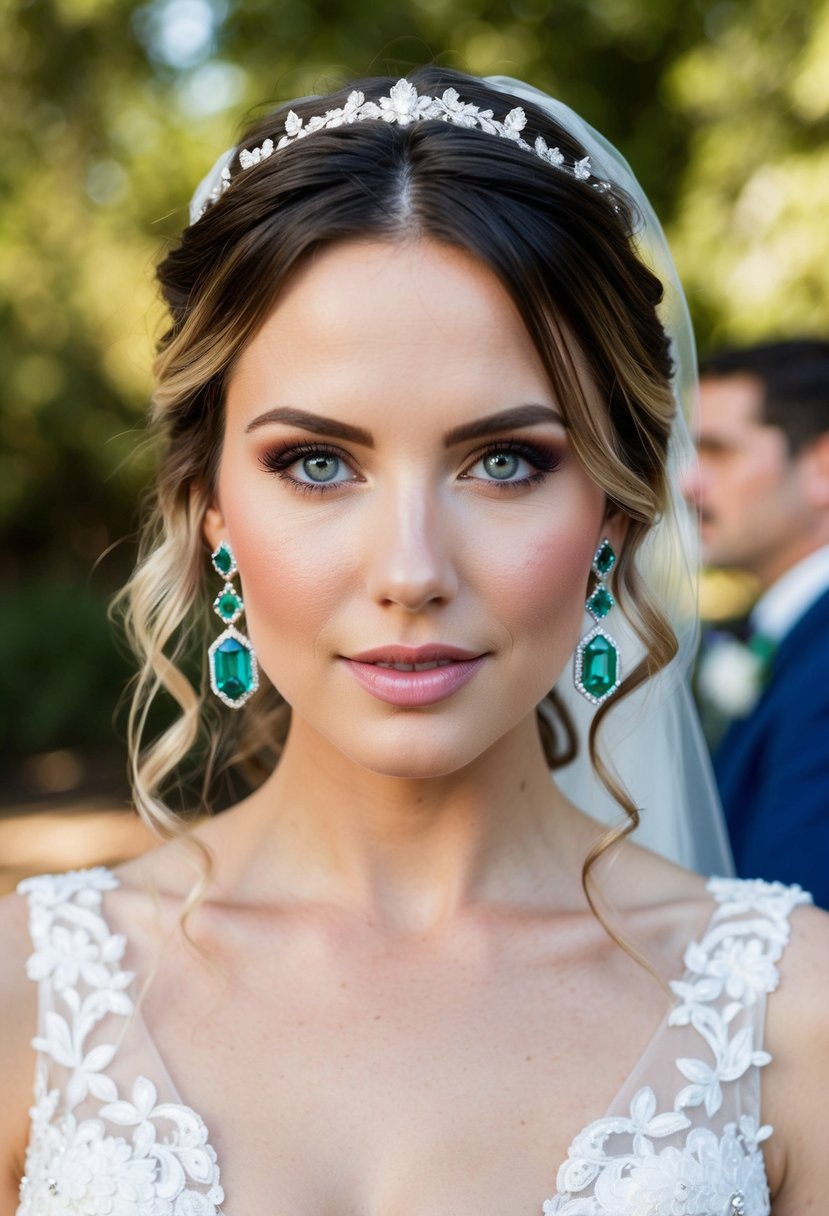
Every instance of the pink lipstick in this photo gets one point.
(411, 676)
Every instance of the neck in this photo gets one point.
(773, 566)
(410, 853)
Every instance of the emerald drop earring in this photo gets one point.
(597, 668)
(234, 673)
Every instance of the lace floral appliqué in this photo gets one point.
(130, 1157)
(677, 1162)
(94, 1151)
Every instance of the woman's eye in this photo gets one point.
(321, 468)
(502, 466)
(309, 467)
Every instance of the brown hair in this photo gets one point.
(793, 377)
(564, 252)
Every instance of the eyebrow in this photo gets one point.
(504, 420)
(522, 415)
(313, 422)
(714, 443)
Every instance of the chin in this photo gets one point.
(404, 751)
(415, 764)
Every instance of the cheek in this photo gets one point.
(762, 470)
(553, 575)
(288, 585)
(538, 582)
(291, 576)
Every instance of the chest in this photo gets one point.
(325, 1077)
(361, 1080)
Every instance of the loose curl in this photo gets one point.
(564, 252)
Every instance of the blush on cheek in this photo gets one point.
(291, 590)
(553, 577)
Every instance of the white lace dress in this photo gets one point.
(110, 1136)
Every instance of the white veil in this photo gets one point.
(652, 740)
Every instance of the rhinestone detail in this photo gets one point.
(600, 603)
(234, 673)
(228, 606)
(597, 669)
(604, 559)
(224, 562)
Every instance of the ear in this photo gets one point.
(214, 529)
(614, 527)
(814, 462)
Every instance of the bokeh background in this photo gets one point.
(111, 112)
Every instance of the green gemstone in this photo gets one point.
(233, 671)
(228, 606)
(605, 558)
(599, 666)
(600, 603)
(223, 560)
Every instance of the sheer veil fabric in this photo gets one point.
(652, 740)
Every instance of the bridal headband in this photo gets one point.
(403, 105)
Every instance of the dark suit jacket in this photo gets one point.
(772, 767)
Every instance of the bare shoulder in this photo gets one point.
(18, 1014)
(18, 995)
(800, 1006)
(796, 1081)
(634, 878)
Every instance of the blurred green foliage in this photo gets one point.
(112, 111)
(59, 638)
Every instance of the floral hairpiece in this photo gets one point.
(403, 106)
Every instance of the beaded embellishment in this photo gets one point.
(404, 106)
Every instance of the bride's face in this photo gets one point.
(396, 473)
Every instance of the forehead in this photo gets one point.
(368, 323)
(730, 404)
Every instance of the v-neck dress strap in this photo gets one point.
(684, 1134)
(104, 1141)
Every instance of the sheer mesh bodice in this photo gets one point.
(111, 1137)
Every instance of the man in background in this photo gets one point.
(762, 489)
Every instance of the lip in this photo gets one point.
(434, 652)
(411, 689)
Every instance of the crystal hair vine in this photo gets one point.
(404, 106)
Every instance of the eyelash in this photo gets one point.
(279, 460)
(545, 460)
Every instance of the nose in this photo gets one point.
(412, 561)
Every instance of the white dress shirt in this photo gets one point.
(780, 608)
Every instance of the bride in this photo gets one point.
(419, 414)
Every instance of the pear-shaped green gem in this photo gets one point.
(605, 559)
